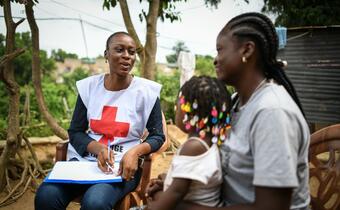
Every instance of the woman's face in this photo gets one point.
(121, 54)
(228, 60)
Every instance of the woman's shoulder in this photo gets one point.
(148, 87)
(89, 81)
(150, 83)
(93, 78)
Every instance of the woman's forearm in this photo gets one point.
(95, 147)
(141, 149)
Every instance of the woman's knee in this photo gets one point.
(47, 197)
(101, 196)
(95, 203)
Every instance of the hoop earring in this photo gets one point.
(244, 59)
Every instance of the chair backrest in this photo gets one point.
(147, 163)
(324, 159)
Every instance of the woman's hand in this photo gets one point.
(105, 163)
(128, 165)
(154, 186)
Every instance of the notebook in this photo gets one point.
(81, 172)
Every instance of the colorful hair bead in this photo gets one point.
(215, 130)
(201, 123)
(214, 112)
(181, 100)
(202, 134)
(214, 120)
(187, 126)
(227, 120)
(192, 122)
(205, 120)
(224, 107)
(185, 118)
(186, 107)
(195, 104)
(220, 115)
(214, 139)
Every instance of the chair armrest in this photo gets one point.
(145, 178)
(61, 150)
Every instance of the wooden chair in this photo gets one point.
(324, 160)
(137, 197)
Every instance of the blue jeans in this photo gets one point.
(96, 196)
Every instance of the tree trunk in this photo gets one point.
(149, 67)
(36, 74)
(7, 76)
(146, 54)
(131, 29)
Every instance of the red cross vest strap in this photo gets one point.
(116, 116)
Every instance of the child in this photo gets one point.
(195, 174)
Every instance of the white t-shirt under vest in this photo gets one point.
(118, 117)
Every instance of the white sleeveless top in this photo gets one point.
(116, 116)
(205, 172)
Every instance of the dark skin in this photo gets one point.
(245, 77)
(179, 187)
(121, 56)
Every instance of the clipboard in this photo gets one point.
(81, 172)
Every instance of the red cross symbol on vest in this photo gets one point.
(108, 126)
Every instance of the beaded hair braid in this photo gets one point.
(260, 29)
(206, 104)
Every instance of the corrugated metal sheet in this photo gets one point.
(314, 69)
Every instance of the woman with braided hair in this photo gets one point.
(265, 157)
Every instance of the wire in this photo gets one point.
(85, 13)
(47, 12)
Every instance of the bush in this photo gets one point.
(169, 92)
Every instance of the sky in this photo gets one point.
(198, 27)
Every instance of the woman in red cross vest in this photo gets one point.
(112, 111)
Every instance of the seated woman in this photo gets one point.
(111, 110)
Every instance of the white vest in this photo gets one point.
(116, 116)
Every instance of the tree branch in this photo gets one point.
(8, 57)
(151, 40)
(20, 21)
(34, 156)
(36, 74)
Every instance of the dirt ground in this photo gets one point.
(46, 152)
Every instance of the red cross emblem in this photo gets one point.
(108, 126)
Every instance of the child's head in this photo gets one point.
(203, 107)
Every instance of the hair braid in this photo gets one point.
(207, 92)
(260, 29)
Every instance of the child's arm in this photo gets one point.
(179, 187)
(172, 196)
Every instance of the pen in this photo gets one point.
(109, 167)
(108, 154)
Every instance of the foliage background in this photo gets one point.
(56, 94)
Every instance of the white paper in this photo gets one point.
(81, 172)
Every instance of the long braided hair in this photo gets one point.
(208, 93)
(260, 29)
